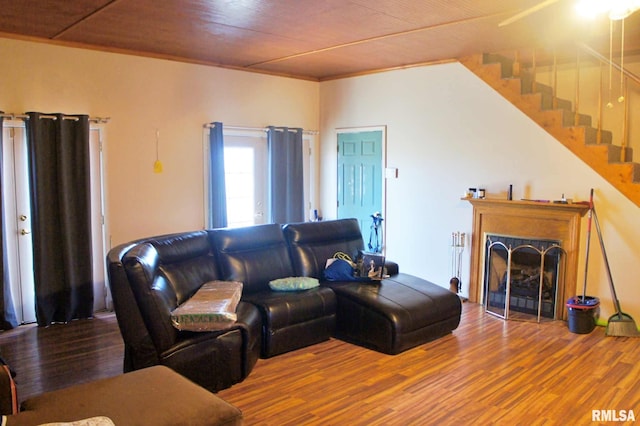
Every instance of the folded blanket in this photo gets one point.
(212, 307)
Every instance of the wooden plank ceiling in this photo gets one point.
(309, 39)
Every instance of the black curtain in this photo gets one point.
(217, 190)
(59, 170)
(7, 313)
(286, 177)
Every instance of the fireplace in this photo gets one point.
(528, 220)
(521, 277)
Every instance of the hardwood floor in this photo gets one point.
(486, 372)
(58, 356)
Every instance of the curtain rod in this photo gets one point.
(257, 129)
(98, 120)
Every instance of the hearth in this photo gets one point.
(521, 276)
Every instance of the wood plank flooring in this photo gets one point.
(58, 356)
(486, 372)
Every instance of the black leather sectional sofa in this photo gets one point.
(151, 277)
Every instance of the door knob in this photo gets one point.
(24, 232)
(23, 217)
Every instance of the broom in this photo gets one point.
(586, 259)
(619, 324)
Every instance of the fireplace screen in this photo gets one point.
(521, 277)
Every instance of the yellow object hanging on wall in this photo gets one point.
(157, 165)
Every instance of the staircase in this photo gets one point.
(575, 131)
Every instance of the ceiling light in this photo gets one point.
(617, 9)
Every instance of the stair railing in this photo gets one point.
(557, 71)
(554, 86)
(627, 78)
(599, 120)
(576, 115)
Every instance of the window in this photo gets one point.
(246, 175)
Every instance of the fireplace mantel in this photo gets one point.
(527, 219)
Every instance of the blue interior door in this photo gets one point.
(360, 177)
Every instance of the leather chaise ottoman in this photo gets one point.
(394, 314)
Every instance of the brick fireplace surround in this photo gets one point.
(527, 219)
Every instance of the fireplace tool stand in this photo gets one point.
(457, 248)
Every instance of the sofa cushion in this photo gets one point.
(254, 255)
(292, 320)
(312, 243)
(294, 284)
(284, 308)
(212, 307)
(186, 261)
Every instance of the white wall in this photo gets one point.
(448, 131)
(142, 95)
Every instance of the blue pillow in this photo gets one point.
(294, 283)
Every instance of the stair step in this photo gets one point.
(546, 93)
(506, 63)
(569, 119)
(591, 136)
(636, 173)
(633, 174)
(547, 102)
(528, 86)
(614, 152)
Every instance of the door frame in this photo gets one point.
(99, 215)
(383, 185)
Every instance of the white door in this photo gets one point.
(18, 221)
(245, 163)
(246, 175)
(15, 178)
